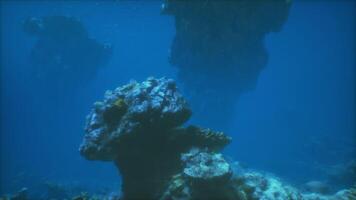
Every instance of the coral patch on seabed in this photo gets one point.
(139, 127)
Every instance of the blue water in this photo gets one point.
(298, 120)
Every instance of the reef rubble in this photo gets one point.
(140, 127)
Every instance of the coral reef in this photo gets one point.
(347, 194)
(219, 49)
(205, 167)
(140, 124)
(139, 127)
(61, 191)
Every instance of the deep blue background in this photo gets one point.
(299, 119)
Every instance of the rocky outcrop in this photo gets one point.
(139, 127)
(219, 50)
(64, 53)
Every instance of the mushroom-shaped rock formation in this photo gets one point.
(219, 50)
(144, 110)
(138, 127)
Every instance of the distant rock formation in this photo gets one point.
(139, 127)
(64, 53)
(219, 49)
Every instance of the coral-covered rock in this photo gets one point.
(129, 110)
(253, 185)
(193, 136)
(204, 167)
(138, 127)
(178, 188)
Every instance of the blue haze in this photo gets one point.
(300, 117)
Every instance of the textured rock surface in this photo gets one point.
(253, 185)
(129, 110)
(139, 127)
(203, 166)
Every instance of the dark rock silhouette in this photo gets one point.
(219, 49)
(64, 54)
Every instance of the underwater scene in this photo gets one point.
(178, 100)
